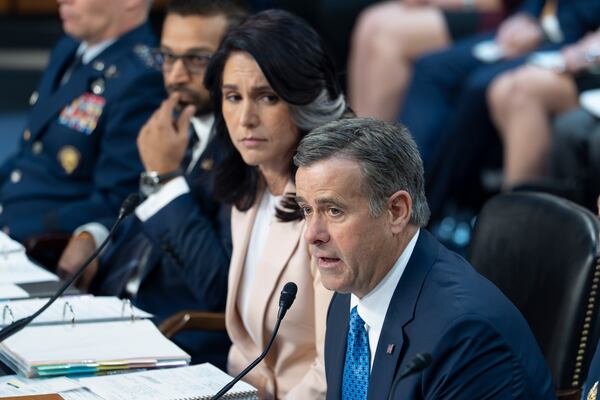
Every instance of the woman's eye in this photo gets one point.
(270, 98)
(232, 97)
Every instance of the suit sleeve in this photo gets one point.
(472, 361)
(117, 169)
(313, 384)
(196, 245)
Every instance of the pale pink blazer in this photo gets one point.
(294, 368)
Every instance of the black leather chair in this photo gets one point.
(542, 251)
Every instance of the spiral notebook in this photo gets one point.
(197, 382)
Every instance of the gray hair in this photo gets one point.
(386, 152)
(318, 112)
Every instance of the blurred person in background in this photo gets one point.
(391, 35)
(77, 159)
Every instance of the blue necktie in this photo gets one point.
(358, 360)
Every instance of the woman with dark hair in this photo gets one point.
(272, 81)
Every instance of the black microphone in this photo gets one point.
(419, 362)
(287, 297)
(130, 203)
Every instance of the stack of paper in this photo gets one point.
(78, 309)
(8, 245)
(15, 268)
(188, 383)
(52, 350)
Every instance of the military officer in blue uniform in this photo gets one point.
(77, 158)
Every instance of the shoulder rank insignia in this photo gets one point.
(83, 113)
(69, 157)
(145, 54)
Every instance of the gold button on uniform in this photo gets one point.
(98, 66)
(37, 147)
(26, 135)
(15, 176)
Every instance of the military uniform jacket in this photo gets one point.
(78, 158)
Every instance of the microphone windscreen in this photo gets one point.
(288, 295)
(129, 204)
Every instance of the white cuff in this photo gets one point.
(96, 229)
(551, 27)
(156, 201)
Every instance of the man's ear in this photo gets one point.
(399, 208)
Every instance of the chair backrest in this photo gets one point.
(542, 251)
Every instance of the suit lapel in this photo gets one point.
(400, 312)
(241, 240)
(336, 351)
(282, 241)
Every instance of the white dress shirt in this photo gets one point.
(373, 307)
(256, 247)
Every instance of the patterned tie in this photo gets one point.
(358, 360)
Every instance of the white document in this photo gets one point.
(81, 309)
(185, 383)
(11, 291)
(590, 101)
(52, 350)
(8, 245)
(15, 267)
(13, 385)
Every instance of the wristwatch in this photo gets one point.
(152, 181)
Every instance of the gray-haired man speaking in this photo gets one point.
(399, 291)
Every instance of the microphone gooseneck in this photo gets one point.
(130, 203)
(418, 363)
(287, 297)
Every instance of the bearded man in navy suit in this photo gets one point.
(398, 291)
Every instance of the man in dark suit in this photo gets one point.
(174, 253)
(77, 158)
(400, 292)
(445, 106)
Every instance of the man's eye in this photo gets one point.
(168, 58)
(197, 60)
(334, 212)
(306, 210)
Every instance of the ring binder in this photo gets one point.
(6, 309)
(68, 306)
(125, 303)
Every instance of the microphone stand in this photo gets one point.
(128, 206)
(286, 299)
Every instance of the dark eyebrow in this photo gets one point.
(254, 89)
